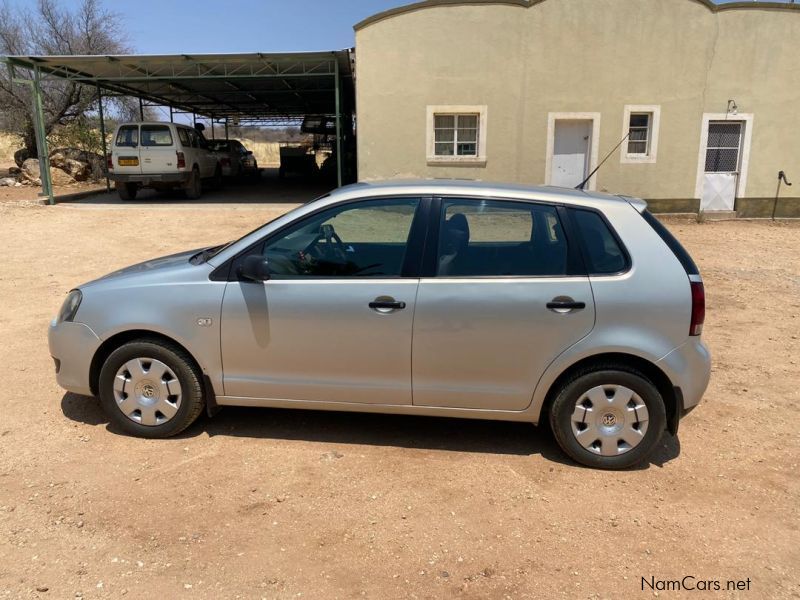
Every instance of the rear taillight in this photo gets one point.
(110, 162)
(698, 308)
(181, 160)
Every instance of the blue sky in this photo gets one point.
(185, 26)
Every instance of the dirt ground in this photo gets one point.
(285, 504)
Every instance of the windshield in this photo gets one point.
(209, 253)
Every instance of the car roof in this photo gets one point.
(455, 187)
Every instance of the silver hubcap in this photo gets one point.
(147, 391)
(609, 420)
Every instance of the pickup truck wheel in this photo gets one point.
(194, 188)
(127, 191)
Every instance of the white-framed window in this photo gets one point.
(641, 125)
(456, 134)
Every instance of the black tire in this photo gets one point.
(179, 362)
(217, 181)
(572, 391)
(194, 187)
(127, 191)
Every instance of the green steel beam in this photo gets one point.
(103, 134)
(41, 139)
(339, 157)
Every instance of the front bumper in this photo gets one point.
(147, 179)
(72, 346)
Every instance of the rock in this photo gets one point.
(59, 177)
(58, 160)
(21, 155)
(95, 163)
(14, 170)
(76, 169)
(7, 182)
(29, 169)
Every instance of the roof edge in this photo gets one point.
(714, 8)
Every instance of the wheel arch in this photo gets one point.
(123, 337)
(621, 360)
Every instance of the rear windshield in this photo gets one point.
(156, 135)
(128, 135)
(677, 249)
(220, 146)
(603, 252)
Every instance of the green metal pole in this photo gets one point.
(141, 110)
(212, 128)
(339, 157)
(41, 139)
(170, 115)
(103, 133)
(226, 128)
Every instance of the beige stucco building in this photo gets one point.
(540, 91)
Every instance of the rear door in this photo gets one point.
(504, 296)
(157, 149)
(125, 153)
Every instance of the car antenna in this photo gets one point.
(583, 183)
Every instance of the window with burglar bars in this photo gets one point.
(456, 135)
(639, 134)
(722, 149)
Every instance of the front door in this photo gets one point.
(721, 176)
(334, 321)
(483, 332)
(571, 152)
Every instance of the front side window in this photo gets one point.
(362, 239)
(127, 136)
(639, 134)
(183, 135)
(494, 238)
(156, 135)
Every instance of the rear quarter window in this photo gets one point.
(156, 135)
(127, 136)
(602, 251)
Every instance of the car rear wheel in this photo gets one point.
(127, 191)
(194, 188)
(609, 419)
(151, 389)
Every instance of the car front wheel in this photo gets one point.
(151, 388)
(608, 419)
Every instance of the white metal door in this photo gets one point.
(571, 147)
(157, 149)
(723, 159)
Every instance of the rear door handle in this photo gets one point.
(565, 304)
(387, 305)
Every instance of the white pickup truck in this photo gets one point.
(161, 156)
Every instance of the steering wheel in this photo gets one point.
(334, 246)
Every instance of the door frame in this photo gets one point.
(744, 150)
(594, 149)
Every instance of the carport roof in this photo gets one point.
(253, 86)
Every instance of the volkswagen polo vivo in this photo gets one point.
(432, 298)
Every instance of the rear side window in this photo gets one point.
(494, 238)
(127, 136)
(156, 135)
(677, 249)
(183, 135)
(603, 253)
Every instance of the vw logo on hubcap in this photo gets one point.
(609, 420)
(148, 391)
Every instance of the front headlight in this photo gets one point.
(70, 306)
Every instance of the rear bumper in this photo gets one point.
(689, 368)
(146, 179)
(72, 346)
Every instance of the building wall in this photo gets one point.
(525, 60)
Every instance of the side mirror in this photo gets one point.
(254, 268)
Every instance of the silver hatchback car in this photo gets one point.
(433, 298)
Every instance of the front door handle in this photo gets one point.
(381, 304)
(564, 304)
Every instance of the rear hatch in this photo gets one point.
(125, 154)
(157, 150)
